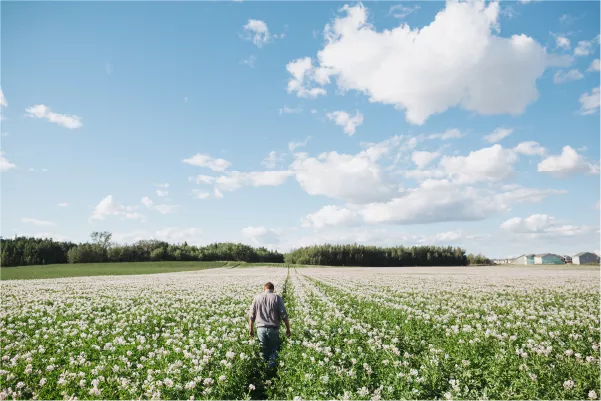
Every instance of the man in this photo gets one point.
(266, 311)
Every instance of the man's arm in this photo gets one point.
(284, 316)
(253, 315)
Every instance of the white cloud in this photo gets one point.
(423, 158)
(330, 216)
(585, 47)
(109, 207)
(344, 119)
(400, 11)
(595, 65)
(562, 42)
(36, 222)
(5, 165)
(290, 110)
(237, 179)
(257, 32)
(162, 193)
(443, 201)
(250, 61)
(261, 235)
(567, 163)
(448, 134)
(295, 145)
(3, 102)
(457, 60)
(162, 208)
(530, 148)
(198, 194)
(303, 73)
(65, 120)
(217, 193)
(272, 159)
(562, 77)
(204, 179)
(498, 134)
(165, 185)
(589, 102)
(204, 160)
(542, 225)
(64, 204)
(356, 179)
(488, 164)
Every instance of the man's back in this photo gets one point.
(267, 308)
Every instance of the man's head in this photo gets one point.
(268, 286)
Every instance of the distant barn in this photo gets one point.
(548, 259)
(525, 259)
(585, 257)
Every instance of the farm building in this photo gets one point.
(548, 259)
(525, 259)
(585, 257)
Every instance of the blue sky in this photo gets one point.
(287, 124)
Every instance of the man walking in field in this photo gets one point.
(266, 311)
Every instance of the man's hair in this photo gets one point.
(269, 286)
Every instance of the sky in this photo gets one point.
(286, 124)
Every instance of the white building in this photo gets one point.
(525, 259)
(585, 257)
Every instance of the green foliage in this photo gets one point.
(24, 251)
(478, 259)
(86, 253)
(361, 255)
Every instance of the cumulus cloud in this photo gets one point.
(585, 47)
(423, 158)
(257, 32)
(436, 201)
(303, 73)
(589, 102)
(161, 193)
(562, 42)
(161, 208)
(5, 165)
(235, 180)
(488, 164)
(36, 222)
(330, 216)
(3, 102)
(261, 235)
(595, 65)
(353, 178)
(539, 225)
(346, 121)
(458, 60)
(498, 134)
(567, 163)
(400, 11)
(563, 77)
(530, 148)
(64, 120)
(199, 194)
(109, 207)
(204, 160)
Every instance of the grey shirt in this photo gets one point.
(267, 309)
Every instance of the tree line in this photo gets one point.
(21, 251)
(362, 255)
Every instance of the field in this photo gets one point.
(358, 333)
(103, 269)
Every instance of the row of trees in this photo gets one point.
(23, 251)
(360, 255)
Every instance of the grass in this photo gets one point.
(104, 269)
